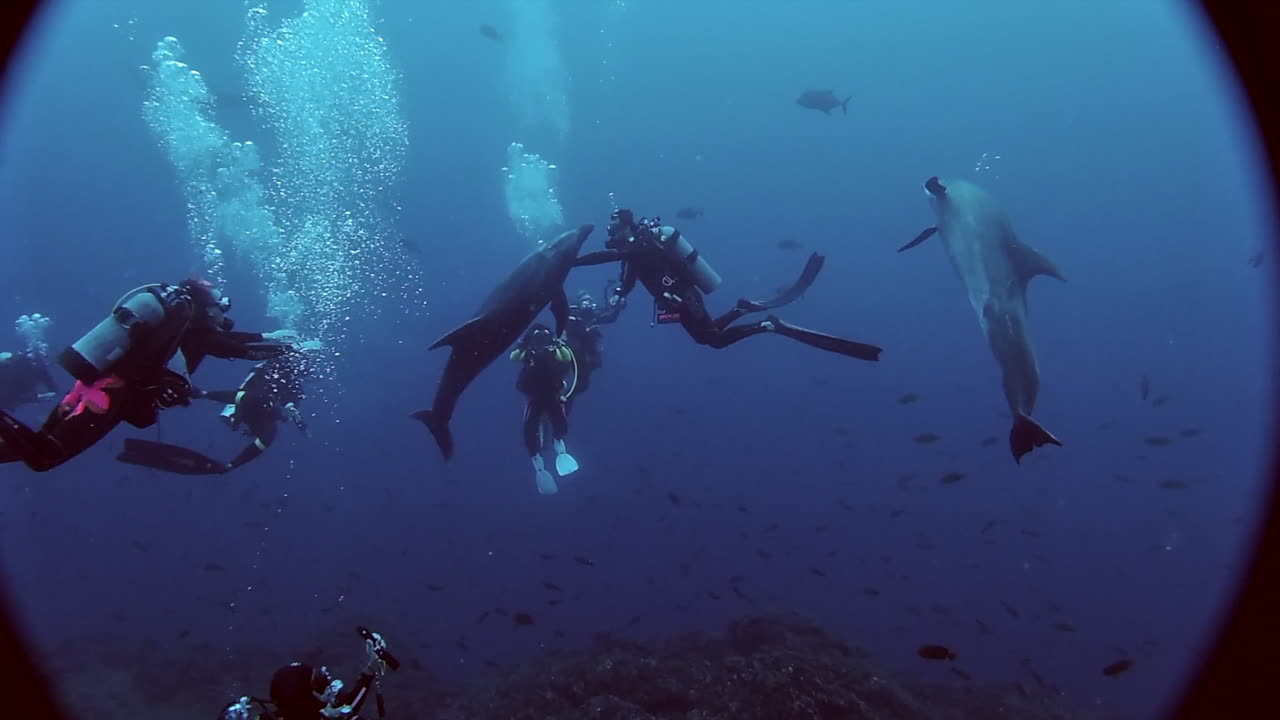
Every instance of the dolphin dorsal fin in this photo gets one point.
(458, 333)
(1031, 263)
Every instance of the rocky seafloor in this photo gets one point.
(775, 667)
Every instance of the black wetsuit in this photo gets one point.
(583, 336)
(260, 403)
(291, 693)
(21, 376)
(139, 385)
(542, 381)
(678, 299)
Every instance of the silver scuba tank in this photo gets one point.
(674, 244)
(94, 355)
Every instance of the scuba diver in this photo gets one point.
(583, 336)
(302, 692)
(22, 374)
(546, 365)
(269, 395)
(676, 275)
(121, 368)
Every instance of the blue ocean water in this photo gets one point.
(1113, 136)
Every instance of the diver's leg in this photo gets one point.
(533, 414)
(61, 438)
(565, 463)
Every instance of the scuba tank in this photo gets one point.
(674, 244)
(93, 356)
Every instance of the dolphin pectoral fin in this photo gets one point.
(924, 235)
(560, 309)
(1027, 435)
(1030, 262)
(458, 333)
(439, 430)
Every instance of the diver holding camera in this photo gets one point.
(302, 692)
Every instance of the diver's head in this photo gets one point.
(211, 306)
(539, 336)
(585, 301)
(238, 710)
(621, 223)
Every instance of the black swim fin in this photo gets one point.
(439, 430)
(791, 294)
(19, 442)
(823, 341)
(925, 234)
(169, 458)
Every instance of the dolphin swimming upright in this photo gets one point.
(995, 267)
(502, 318)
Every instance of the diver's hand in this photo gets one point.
(292, 412)
(374, 664)
(285, 336)
(46, 395)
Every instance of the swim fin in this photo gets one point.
(439, 430)
(19, 442)
(822, 341)
(169, 458)
(791, 294)
(1027, 435)
(565, 464)
(546, 483)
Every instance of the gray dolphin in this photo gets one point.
(501, 319)
(995, 267)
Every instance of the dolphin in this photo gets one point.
(501, 319)
(995, 267)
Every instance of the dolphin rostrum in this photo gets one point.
(502, 318)
(995, 267)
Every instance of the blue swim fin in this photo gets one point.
(546, 483)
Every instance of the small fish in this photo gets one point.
(790, 244)
(823, 100)
(183, 634)
(435, 588)
(844, 505)
(673, 498)
(908, 398)
(523, 619)
(896, 513)
(927, 438)
(989, 441)
(142, 545)
(713, 595)
(1144, 388)
(551, 586)
(771, 527)
(491, 32)
(738, 591)
(483, 615)
(763, 554)
(982, 627)
(583, 561)
(987, 526)
(870, 591)
(547, 556)
(961, 674)
(1030, 533)
(635, 620)
(491, 663)
(817, 572)
(689, 213)
(1118, 668)
(1013, 611)
(744, 509)
(1159, 400)
(1172, 485)
(1255, 260)
(1064, 627)
(1157, 440)
(213, 567)
(952, 477)
(935, 652)
(1191, 432)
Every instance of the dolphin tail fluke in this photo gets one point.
(439, 430)
(844, 106)
(1027, 435)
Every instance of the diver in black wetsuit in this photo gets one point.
(547, 379)
(303, 692)
(583, 336)
(268, 396)
(676, 275)
(121, 369)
